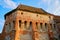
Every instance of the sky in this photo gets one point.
(51, 6)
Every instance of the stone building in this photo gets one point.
(57, 27)
(29, 23)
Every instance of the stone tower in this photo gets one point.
(28, 23)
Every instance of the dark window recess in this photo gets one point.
(54, 26)
(51, 26)
(13, 24)
(9, 25)
(46, 25)
(30, 25)
(41, 25)
(25, 24)
(22, 13)
(49, 17)
(20, 23)
(59, 36)
(36, 25)
(5, 24)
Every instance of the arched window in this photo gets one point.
(25, 24)
(41, 25)
(10, 25)
(54, 26)
(13, 25)
(30, 25)
(7, 28)
(37, 25)
(20, 23)
(49, 17)
(51, 26)
(46, 25)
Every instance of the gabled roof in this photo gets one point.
(30, 9)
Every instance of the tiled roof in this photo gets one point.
(30, 9)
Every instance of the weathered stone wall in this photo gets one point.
(34, 17)
(34, 33)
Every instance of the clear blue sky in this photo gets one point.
(51, 6)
